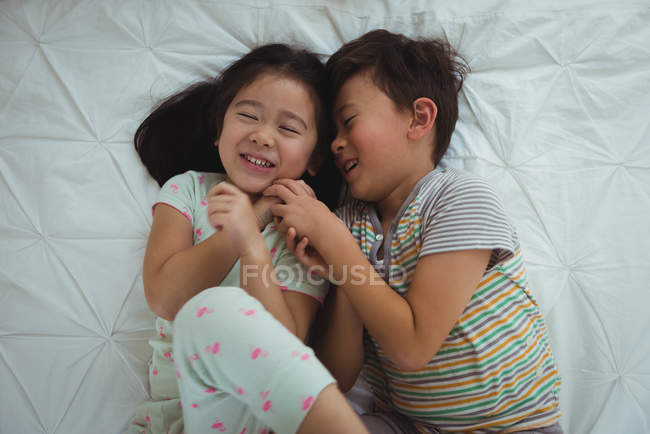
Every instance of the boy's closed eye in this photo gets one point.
(348, 120)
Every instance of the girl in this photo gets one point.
(213, 262)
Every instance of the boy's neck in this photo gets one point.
(391, 204)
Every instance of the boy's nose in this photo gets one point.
(338, 144)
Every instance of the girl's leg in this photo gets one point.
(242, 371)
(331, 413)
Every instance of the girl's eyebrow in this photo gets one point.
(286, 113)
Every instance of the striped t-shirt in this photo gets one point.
(495, 369)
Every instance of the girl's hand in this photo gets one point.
(262, 208)
(230, 210)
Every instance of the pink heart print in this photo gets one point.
(266, 406)
(174, 188)
(247, 312)
(264, 394)
(194, 357)
(306, 403)
(214, 348)
(218, 425)
(204, 310)
(210, 390)
(257, 352)
(303, 357)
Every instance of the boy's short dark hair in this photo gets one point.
(406, 69)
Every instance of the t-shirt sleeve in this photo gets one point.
(293, 276)
(179, 192)
(468, 215)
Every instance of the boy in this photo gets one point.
(426, 261)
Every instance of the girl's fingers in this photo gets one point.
(225, 188)
(219, 207)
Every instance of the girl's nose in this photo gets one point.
(261, 138)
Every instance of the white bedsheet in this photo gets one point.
(556, 114)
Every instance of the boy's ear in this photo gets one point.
(424, 118)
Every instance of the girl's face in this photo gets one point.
(269, 132)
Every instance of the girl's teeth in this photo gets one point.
(257, 162)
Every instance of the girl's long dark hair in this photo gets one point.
(179, 134)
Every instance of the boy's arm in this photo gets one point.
(338, 339)
(409, 329)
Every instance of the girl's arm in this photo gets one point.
(338, 332)
(257, 277)
(338, 339)
(231, 213)
(174, 270)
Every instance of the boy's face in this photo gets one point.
(371, 146)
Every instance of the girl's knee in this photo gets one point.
(218, 308)
(207, 308)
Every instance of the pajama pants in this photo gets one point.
(239, 369)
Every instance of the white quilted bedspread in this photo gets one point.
(556, 114)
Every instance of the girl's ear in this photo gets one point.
(424, 118)
(315, 162)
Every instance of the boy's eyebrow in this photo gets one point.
(286, 113)
(344, 106)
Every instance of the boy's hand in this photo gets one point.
(301, 210)
(230, 210)
(307, 255)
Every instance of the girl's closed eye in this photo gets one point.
(290, 129)
(248, 115)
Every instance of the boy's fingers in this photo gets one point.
(280, 191)
(290, 239)
(300, 252)
(297, 187)
(306, 188)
